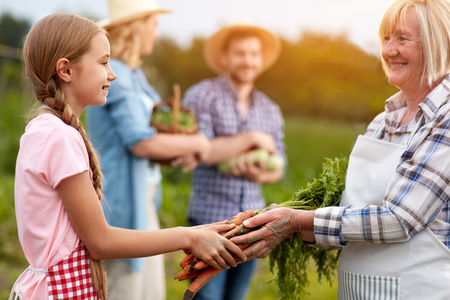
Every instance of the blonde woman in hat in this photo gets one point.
(236, 117)
(121, 132)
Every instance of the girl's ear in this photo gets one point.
(64, 70)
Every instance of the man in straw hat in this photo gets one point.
(236, 117)
(120, 130)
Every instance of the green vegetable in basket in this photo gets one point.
(186, 120)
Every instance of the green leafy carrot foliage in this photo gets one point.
(289, 260)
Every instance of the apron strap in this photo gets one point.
(20, 281)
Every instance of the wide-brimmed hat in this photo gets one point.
(123, 11)
(215, 44)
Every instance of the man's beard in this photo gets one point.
(234, 75)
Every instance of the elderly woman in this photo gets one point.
(393, 225)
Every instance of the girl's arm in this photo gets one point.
(106, 242)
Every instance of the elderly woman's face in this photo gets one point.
(403, 55)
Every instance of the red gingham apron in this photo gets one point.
(70, 278)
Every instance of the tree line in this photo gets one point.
(319, 75)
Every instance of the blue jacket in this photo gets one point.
(114, 128)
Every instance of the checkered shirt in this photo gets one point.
(418, 192)
(216, 197)
(71, 277)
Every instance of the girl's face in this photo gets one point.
(90, 76)
(149, 35)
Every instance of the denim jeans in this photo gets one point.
(229, 284)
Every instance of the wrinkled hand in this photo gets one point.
(214, 249)
(277, 225)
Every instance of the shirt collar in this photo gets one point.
(226, 84)
(428, 107)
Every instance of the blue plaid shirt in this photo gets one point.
(418, 192)
(216, 197)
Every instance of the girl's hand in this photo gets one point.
(208, 245)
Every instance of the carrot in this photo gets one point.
(241, 229)
(188, 268)
(241, 217)
(200, 282)
(186, 260)
(190, 263)
(191, 275)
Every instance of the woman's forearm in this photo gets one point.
(168, 146)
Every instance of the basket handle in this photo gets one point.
(175, 102)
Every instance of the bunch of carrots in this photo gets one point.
(291, 257)
(193, 267)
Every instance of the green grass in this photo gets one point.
(308, 142)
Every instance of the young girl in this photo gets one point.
(61, 225)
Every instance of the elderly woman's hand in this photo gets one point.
(277, 225)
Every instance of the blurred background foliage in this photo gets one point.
(327, 87)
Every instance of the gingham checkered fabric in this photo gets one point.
(71, 277)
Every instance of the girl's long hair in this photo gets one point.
(68, 36)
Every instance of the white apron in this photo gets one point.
(415, 270)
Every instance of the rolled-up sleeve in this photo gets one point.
(327, 222)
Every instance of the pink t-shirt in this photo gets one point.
(50, 151)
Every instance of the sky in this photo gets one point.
(359, 19)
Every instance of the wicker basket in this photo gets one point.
(175, 106)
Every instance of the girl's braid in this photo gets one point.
(56, 99)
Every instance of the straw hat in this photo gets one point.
(214, 45)
(123, 11)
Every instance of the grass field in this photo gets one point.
(308, 142)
